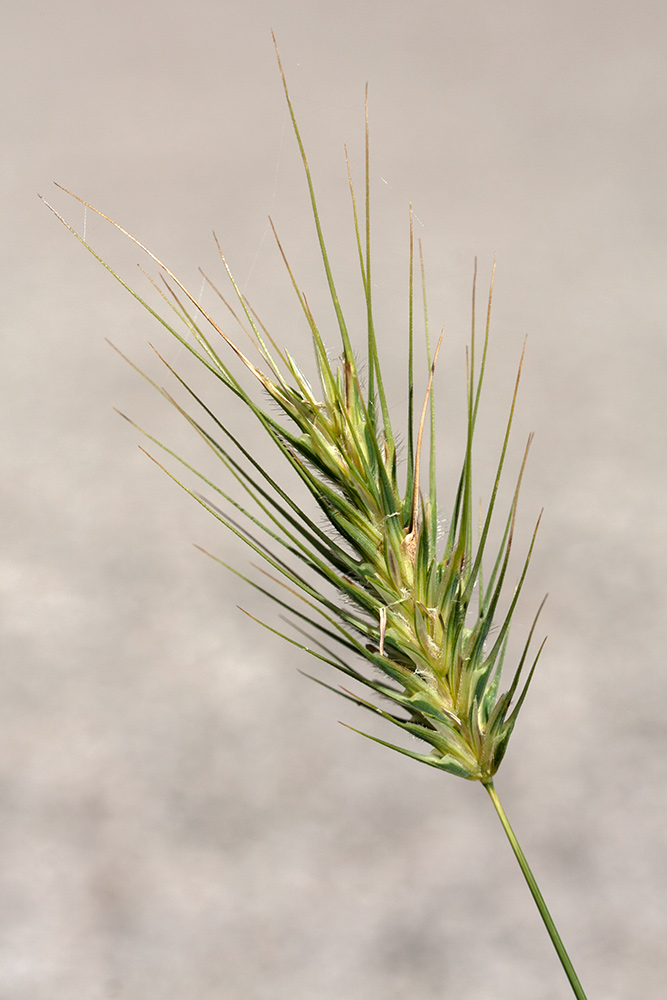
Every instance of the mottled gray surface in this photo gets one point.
(182, 817)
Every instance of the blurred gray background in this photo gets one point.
(182, 816)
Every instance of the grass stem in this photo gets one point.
(577, 988)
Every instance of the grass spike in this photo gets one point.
(363, 577)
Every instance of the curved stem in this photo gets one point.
(537, 896)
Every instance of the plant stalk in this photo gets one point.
(537, 896)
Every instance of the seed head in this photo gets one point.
(375, 584)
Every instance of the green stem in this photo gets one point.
(537, 896)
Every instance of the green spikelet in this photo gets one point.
(405, 607)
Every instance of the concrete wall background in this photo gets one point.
(181, 815)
